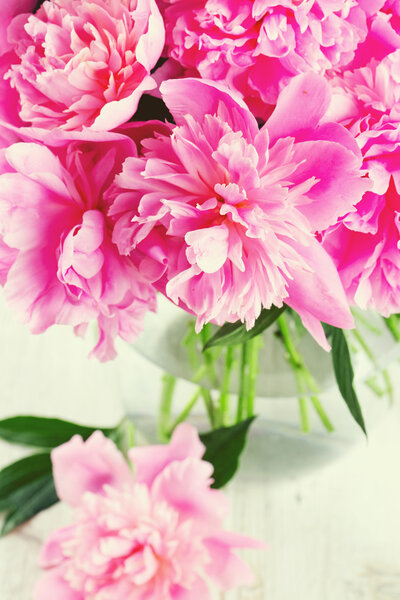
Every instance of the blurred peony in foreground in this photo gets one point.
(83, 63)
(153, 534)
(58, 263)
(223, 215)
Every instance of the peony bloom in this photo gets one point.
(256, 46)
(9, 10)
(58, 263)
(223, 215)
(365, 245)
(84, 63)
(156, 534)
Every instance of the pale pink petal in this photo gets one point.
(225, 568)
(52, 553)
(80, 467)
(52, 586)
(149, 461)
(199, 591)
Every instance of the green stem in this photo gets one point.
(186, 411)
(364, 321)
(304, 419)
(209, 356)
(225, 387)
(209, 404)
(254, 349)
(322, 414)
(392, 324)
(372, 383)
(168, 387)
(364, 346)
(242, 382)
(190, 341)
(388, 383)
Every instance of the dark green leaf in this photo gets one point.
(19, 474)
(223, 449)
(42, 432)
(32, 499)
(344, 372)
(231, 334)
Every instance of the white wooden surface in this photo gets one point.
(332, 535)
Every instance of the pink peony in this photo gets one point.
(156, 534)
(58, 263)
(223, 216)
(9, 10)
(84, 63)
(365, 245)
(256, 46)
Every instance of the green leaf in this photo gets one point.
(223, 449)
(43, 432)
(231, 334)
(344, 372)
(19, 474)
(32, 499)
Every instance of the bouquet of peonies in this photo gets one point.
(240, 158)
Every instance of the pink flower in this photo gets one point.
(84, 63)
(58, 263)
(256, 46)
(138, 536)
(223, 215)
(9, 10)
(365, 245)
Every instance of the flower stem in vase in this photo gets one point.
(306, 384)
(230, 361)
(164, 417)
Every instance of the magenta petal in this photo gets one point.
(197, 97)
(301, 105)
(52, 586)
(80, 467)
(338, 184)
(319, 292)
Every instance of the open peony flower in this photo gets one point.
(366, 244)
(58, 263)
(154, 534)
(223, 215)
(84, 63)
(256, 46)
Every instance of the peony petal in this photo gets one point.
(52, 553)
(198, 591)
(339, 184)
(80, 467)
(318, 294)
(301, 106)
(52, 586)
(225, 568)
(151, 43)
(149, 461)
(197, 97)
